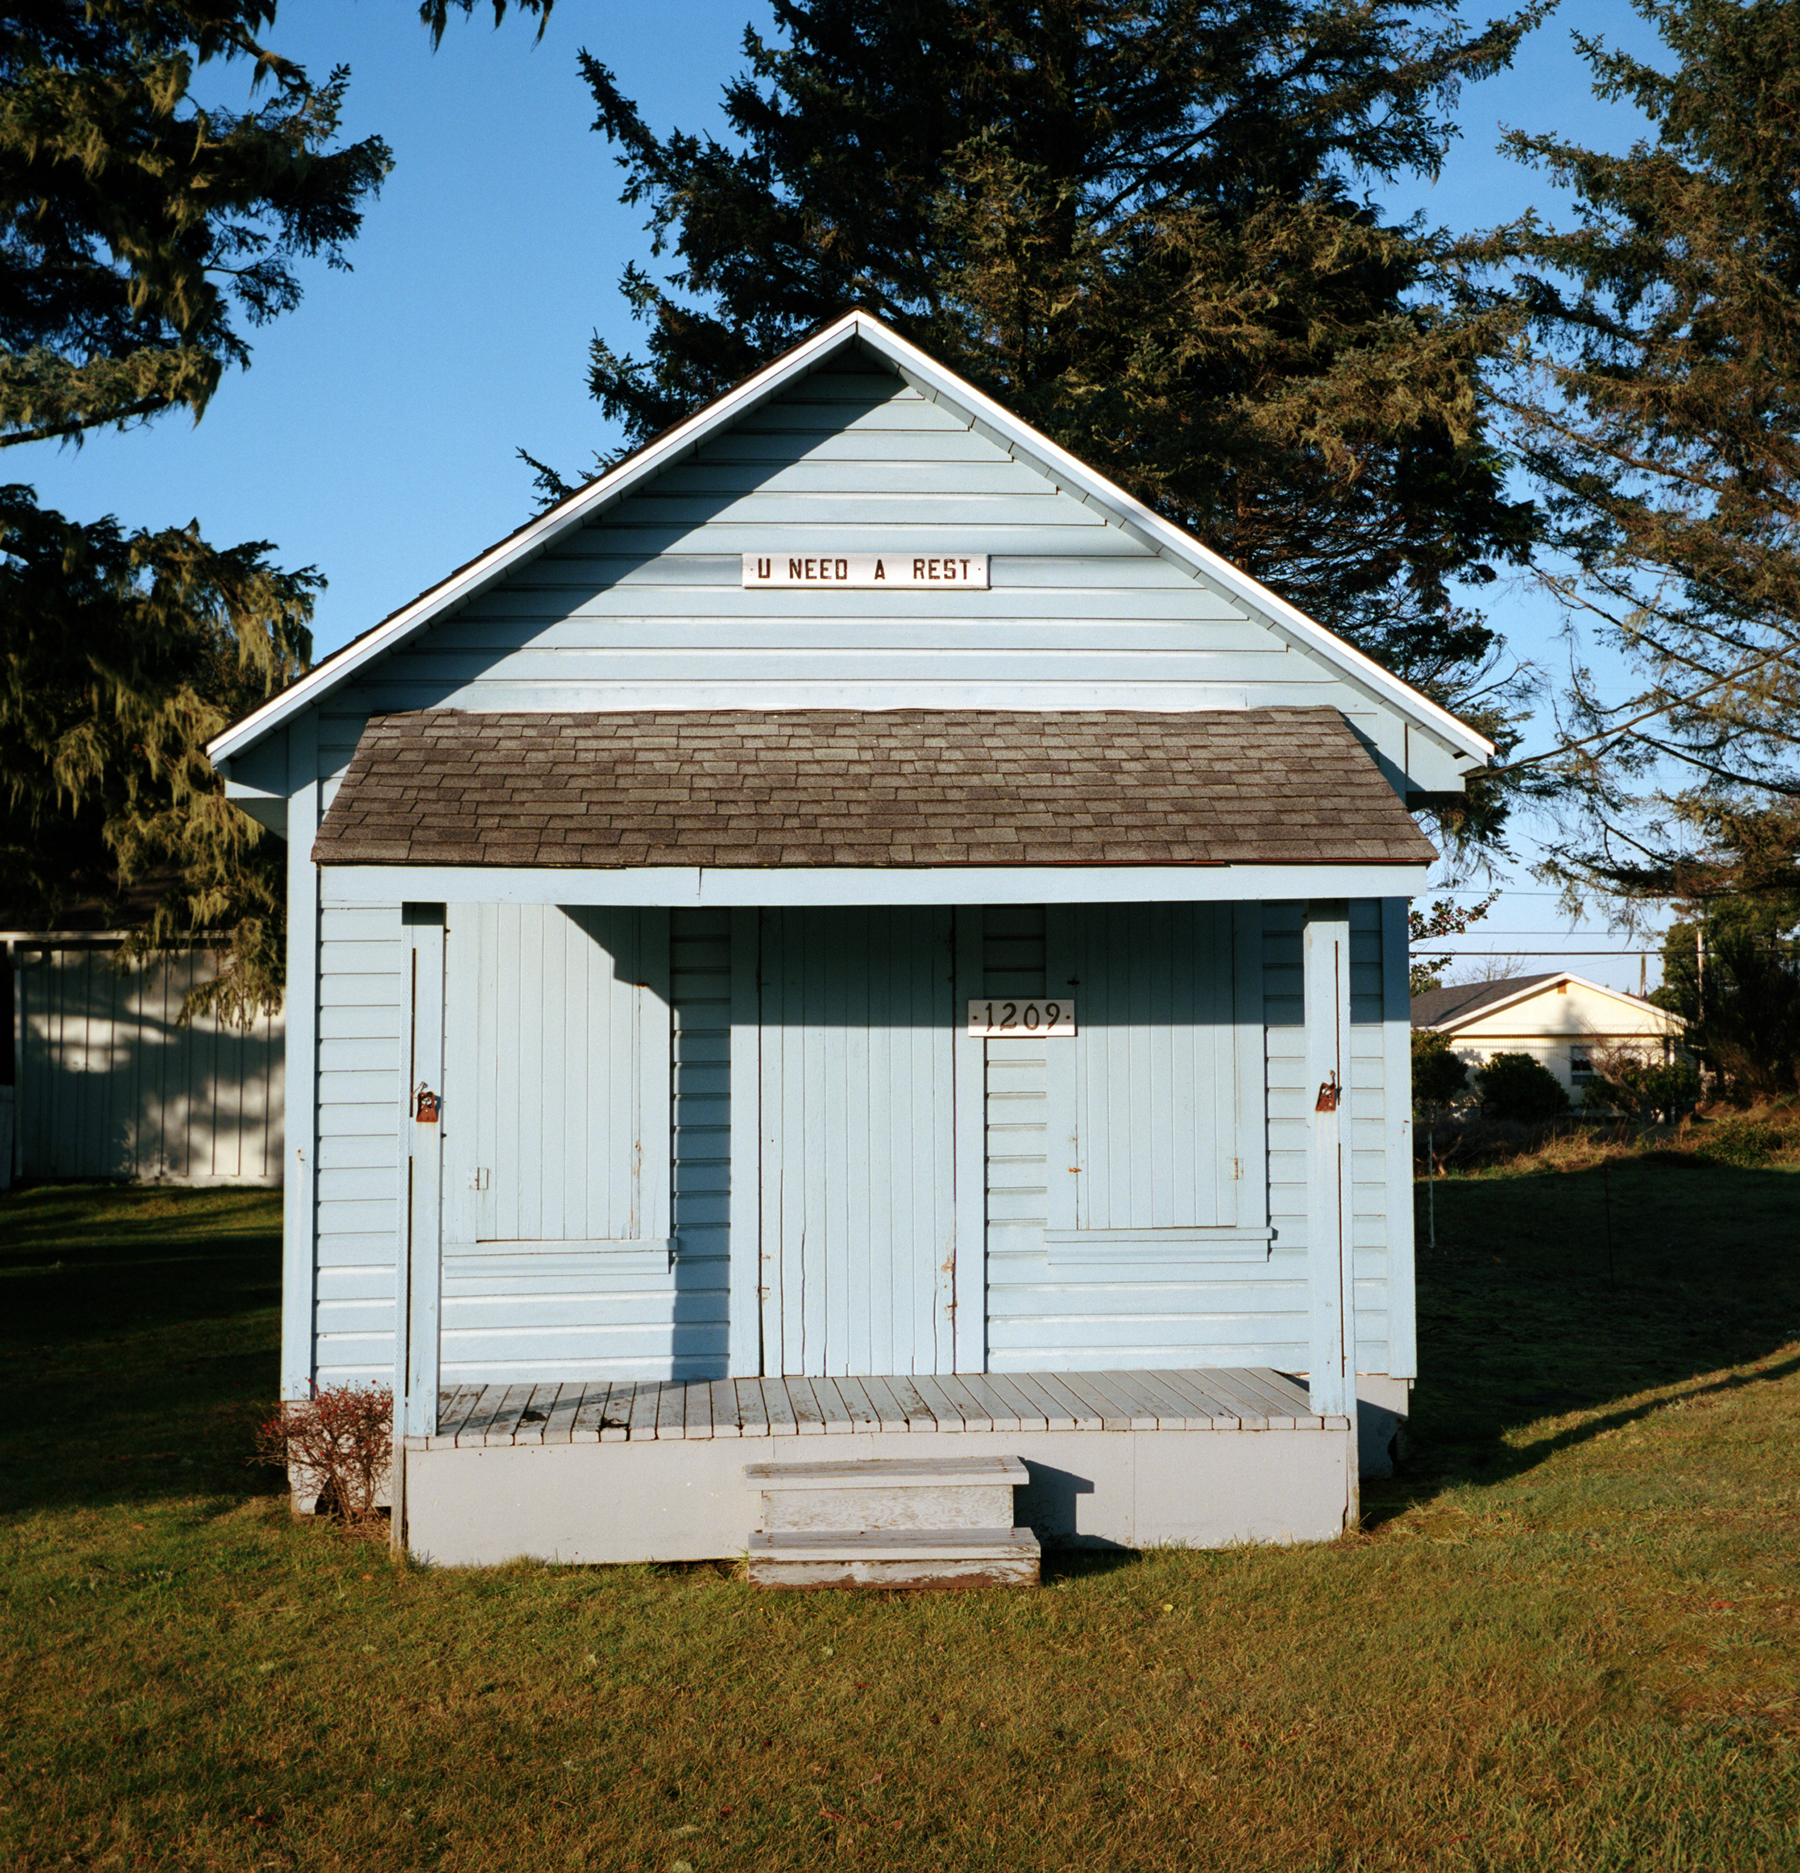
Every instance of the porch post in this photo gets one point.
(969, 1151)
(417, 1277)
(300, 1070)
(744, 1346)
(1331, 1375)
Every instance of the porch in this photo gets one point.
(657, 1471)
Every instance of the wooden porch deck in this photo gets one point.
(1213, 1399)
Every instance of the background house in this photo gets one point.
(1560, 1019)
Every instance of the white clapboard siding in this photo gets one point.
(111, 1085)
(857, 1195)
(1078, 1318)
(700, 992)
(1369, 1222)
(361, 1100)
(644, 608)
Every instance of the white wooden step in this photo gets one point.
(880, 1493)
(920, 1557)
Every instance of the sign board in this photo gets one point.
(867, 572)
(993, 1019)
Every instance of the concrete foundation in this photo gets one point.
(690, 1500)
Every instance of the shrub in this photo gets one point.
(339, 1443)
(1439, 1078)
(1646, 1089)
(1519, 1088)
(1740, 1141)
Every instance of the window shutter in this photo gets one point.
(558, 1108)
(1151, 1106)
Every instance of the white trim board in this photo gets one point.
(691, 886)
(933, 380)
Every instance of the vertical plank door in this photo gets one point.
(857, 1209)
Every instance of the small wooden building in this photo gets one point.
(850, 937)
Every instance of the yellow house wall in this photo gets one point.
(1547, 1025)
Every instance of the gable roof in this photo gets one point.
(1442, 1007)
(934, 381)
(844, 787)
(1450, 1008)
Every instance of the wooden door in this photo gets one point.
(856, 1181)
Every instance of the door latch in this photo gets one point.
(425, 1104)
(1329, 1095)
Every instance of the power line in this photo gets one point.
(1501, 935)
(1559, 951)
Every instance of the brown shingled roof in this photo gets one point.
(902, 787)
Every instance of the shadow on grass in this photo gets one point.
(1561, 1292)
(138, 1342)
(1085, 1563)
(139, 1328)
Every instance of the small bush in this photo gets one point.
(340, 1442)
(1644, 1089)
(1439, 1078)
(1740, 1141)
(1518, 1088)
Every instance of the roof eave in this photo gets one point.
(1543, 983)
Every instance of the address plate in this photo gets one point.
(994, 1019)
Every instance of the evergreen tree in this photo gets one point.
(141, 230)
(1731, 959)
(1659, 405)
(1138, 224)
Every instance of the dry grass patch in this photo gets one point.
(1567, 1637)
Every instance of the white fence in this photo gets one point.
(108, 1085)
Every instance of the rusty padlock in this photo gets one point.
(425, 1105)
(1329, 1093)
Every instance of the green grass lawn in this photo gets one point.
(1567, 1637)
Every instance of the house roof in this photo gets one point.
(904, 787)
(1443, 1007)
(933, 380)
(1450, 1008)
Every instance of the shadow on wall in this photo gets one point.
(111, 1086)
(1556, 1297)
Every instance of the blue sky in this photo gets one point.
(374, 434)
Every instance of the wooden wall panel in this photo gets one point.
(361, 989)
